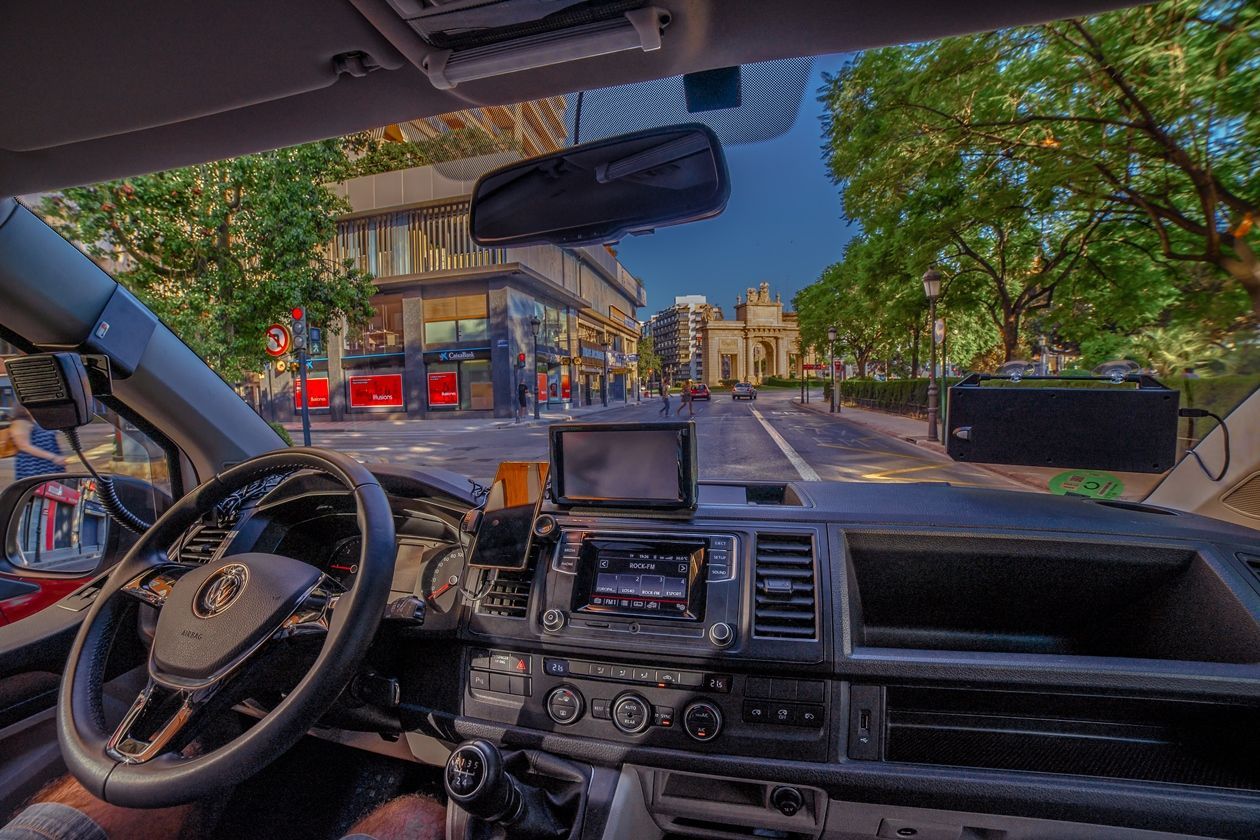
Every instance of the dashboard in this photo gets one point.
(894, 657)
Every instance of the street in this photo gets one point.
(771, 438)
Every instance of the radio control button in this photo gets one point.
(553, 620)
(564, 705)
(599, 710)
(702, 721)
(721, 634)
(631, 714)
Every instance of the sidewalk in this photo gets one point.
(913, 430)
(454, 424)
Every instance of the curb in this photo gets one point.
(924, 443)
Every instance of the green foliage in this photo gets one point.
(280, 430)
(1093, 181)
(221, 250)
(898, 396)
(649, 360)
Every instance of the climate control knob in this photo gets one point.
(564, 704)
(702, 721)
(631, 714)
(722, 634)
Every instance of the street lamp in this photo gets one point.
(831, 362)
(607, 345)
(932, 288)
(535, 325)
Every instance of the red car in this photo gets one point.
(700, 392)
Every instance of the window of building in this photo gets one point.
(383, 334)
(460, 385)
(455, 319)
(554, 330)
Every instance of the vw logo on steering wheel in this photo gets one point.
(220, 590)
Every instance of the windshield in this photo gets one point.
(1082, 196)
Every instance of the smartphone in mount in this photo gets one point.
(507, 519)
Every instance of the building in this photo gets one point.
(452, 333)
(535, 127)
(762, 341)
(676, 336)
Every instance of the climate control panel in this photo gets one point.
(648, 705)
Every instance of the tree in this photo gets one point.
(221, 250)
(648, 359)
(1146, 115)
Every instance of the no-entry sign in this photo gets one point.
(279, 340)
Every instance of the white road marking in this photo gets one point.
(805, 470)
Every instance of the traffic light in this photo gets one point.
(299, 328)
(520, 360)
(317, 341)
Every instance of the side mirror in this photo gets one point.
(601, 191)
(56, 526)
(59, 527)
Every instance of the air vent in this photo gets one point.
(1253, 563)
(508, 595)
(202, 544)
(784, 602)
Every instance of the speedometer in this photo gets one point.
(439, 582)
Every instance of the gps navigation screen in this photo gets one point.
(649, 465)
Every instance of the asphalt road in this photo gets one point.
(771, 438)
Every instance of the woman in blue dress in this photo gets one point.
(39, 452)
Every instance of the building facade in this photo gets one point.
(761, 341)
(453, 330)
(676, 336)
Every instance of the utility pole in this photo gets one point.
(299, 343)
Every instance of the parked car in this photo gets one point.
(700, 391)
(743, 391)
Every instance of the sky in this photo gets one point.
(783, 225)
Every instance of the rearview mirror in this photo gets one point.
(601, 191)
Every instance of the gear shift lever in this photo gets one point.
(475, 781)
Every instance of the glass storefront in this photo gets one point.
(459, 385)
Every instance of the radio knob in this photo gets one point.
(702, 721)
(545, 526)
(631, 714)
(722, 634)
(553, 620)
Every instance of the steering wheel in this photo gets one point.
(216, 620)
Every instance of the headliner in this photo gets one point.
(94, 92)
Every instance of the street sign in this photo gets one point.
(282, 366)
(279, 340)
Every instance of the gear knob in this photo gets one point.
(476, 781)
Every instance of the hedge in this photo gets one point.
(1218, 394)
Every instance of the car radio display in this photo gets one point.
(653, 580)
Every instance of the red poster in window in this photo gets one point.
(541, 385)
(318, 389)
(443, 388)
(566, 392)
(383, 390)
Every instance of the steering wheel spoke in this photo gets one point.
(313, 616)
(153, 586)
(158, 721)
